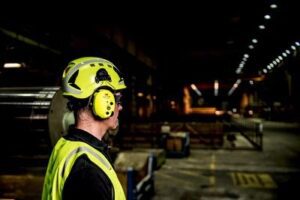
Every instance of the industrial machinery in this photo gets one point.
(28, 114)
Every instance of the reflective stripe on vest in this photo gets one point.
(63, 157)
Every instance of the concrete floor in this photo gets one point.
(227, 173)
(236, 173)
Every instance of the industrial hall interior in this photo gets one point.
(211, 108)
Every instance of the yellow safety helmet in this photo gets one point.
(83, 76)
(94, 78)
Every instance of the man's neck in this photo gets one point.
(94, 128)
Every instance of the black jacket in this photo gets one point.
(86, 180)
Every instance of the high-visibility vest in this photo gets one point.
(62, 159)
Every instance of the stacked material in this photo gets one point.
(135, 172)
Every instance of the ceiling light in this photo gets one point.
(267, 17)
(251, 46)
(254, 40)
(246, 55)
(273, 6)
(293, 47)
(238, 71)
(216, 87)
(140, 94)
(12, 65)
(235, 85)
(284, 54)
(194, 87)
(297, 43)
(262, 27)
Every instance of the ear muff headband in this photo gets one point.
(103, 103)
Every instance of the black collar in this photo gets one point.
(75, 134)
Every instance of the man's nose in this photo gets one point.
(120, 107)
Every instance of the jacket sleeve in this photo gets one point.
(87, 181)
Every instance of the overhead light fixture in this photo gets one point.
(254, 40)
(267, 17)
(194, 87)
(238, 71)
(279, 60)
(261, 27)
(216, 87)
(13, 65)
(251, 46)
(293, 47)
(273, 6)
(140, 94)
(235, 85)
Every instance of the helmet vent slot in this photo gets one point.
(73, 79)
(102, 75)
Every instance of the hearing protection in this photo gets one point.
(103, 103)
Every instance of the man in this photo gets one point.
(79, 166)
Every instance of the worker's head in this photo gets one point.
(94, 83)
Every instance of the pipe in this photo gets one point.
(24, 115)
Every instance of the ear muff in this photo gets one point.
(103, 103)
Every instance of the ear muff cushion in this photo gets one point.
(103, 103)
